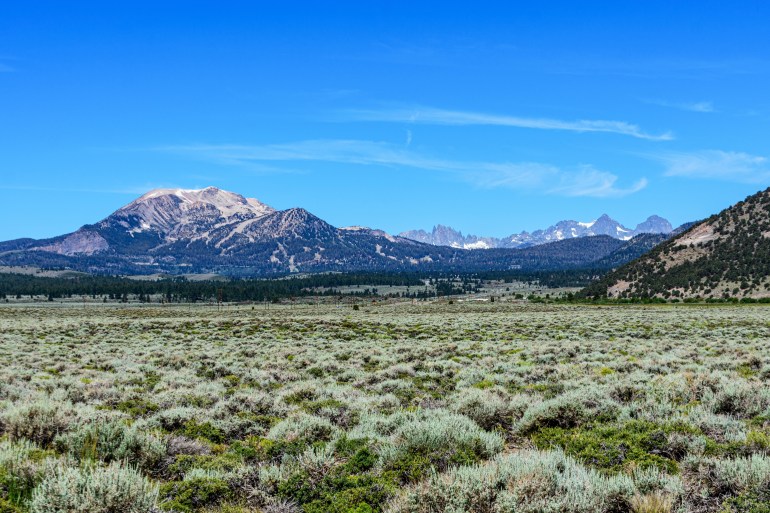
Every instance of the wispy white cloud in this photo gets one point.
(588, 181)
(582, 180)
(717, 165)
(705, 107)
(433, 116)
(550, 179)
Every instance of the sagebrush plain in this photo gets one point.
(402, 408)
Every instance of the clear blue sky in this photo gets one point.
(397, 115)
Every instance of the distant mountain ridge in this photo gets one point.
(181, 231)
(446, 236)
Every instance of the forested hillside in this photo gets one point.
(727, 255)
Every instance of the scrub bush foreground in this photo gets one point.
(398, 408)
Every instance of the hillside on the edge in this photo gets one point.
(727, 255)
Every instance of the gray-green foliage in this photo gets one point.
(319, 409)
(113, 441)
(720, 477)
(37, 419)
(569, 410)
(115, 488)
(526, 482)
(438, 431)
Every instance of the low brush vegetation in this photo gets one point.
(395, 408)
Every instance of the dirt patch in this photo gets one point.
(699, 235)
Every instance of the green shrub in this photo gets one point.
(365, 498)
(7, 507)
(92, 489)
(345, 487)
(274, 450)
(755, 502)
(362, 461)
(195, 494)
(112, 441)
(615, 448)
(137, 407)
(205, 430)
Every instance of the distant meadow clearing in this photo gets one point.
(401, 408)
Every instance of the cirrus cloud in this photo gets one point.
(546, 178)
(731, 166)
(434, 116)
(703, 107)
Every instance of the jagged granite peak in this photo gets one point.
(605, 225)
(654, 224)
(446, 236)
(442, 235)
(567, 229)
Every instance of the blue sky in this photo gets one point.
(489, 117)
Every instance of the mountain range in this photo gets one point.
(204, 231)
(209, 230)
(446, 236)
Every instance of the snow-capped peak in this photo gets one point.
(567, 229)
(188, 212)
(228, 203)
(223, 200)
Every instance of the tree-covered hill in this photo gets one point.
(727, 255)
